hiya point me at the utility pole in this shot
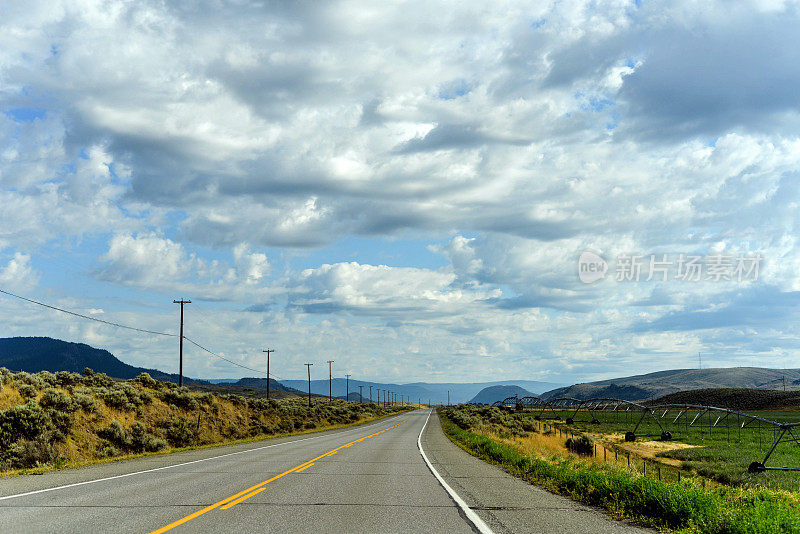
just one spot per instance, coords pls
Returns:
(330, 381)
(378, 391)
(360, 393)
(180, 357)
(268, 352)
(308, 366)
(448, 397)
(347, 387)
(370, 394)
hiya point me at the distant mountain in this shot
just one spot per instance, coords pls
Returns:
(498, 393)
(658, 384)
(34, 354)
(262, 383)
(423, 392)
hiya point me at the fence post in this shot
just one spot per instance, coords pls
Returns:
(604, 453)
(644, 467)
(659, 472)
(629, 460)
(679, 475)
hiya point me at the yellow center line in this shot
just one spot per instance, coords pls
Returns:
(249, 492)
(304, 468)
(244, 497)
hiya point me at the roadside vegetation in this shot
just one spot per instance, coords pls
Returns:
(567, 463)
(66, 419)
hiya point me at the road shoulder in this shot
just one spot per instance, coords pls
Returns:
(509, 504)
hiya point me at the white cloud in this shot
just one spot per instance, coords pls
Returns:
(514, 135)
(18, 274)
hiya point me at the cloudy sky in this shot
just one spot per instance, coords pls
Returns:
(404, 187)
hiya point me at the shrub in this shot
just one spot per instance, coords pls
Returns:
(107, 451)
(114, 398)
(57, 400)
(27, 391)
(147, 381)
(61, 423)
(180, 398)
(85, 402)
(142, 441)
(181, 432)
(65, 379)
(582, 444)
(27, 421)
(29, 453)
(116, 434)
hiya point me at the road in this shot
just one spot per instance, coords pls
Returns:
(370, 478)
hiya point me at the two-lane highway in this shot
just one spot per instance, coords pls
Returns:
(372, 478)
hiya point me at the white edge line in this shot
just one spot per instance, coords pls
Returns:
(476, 521)
(45, 490)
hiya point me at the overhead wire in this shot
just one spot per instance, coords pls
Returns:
(89, 317)
(127, 327)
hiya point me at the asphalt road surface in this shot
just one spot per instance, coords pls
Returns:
(371, 478)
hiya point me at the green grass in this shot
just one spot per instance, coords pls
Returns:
(682, 507)
(722, 453)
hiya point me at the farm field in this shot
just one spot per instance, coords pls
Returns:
(696, 482)
(712, 444)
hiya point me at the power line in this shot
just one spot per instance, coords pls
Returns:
(201, 347)
(76, 314)
(143, 330)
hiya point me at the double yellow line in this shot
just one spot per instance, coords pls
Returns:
(243, 495)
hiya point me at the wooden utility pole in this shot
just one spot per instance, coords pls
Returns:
(180, 357)
(308, 366)
(347, 387)
(268, 351)
(360, 393)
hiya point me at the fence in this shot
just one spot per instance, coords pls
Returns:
(665, 420)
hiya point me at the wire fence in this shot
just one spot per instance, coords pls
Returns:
(774, 434)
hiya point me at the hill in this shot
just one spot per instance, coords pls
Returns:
(740, 399)
(423, 392)
(34, 354)
(261, 383)
(497, 393)
(658, 384)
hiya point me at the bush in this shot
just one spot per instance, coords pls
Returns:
(142, 441)
(137, 439)
(181, 432)
(147, 381)
(57, 400)
(65, 379)
(180, 398)
(84, 401)
(61, 423)
(28, 421)
(581, 445)
(27, 391)
(114, 398)
(27, 453)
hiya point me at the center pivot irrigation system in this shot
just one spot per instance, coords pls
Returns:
(672, 416)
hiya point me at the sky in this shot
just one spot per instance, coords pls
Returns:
(409, 189)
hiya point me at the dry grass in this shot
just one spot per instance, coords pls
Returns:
(172, 418)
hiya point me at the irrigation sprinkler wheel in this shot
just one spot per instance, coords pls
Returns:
(570, 420)
(666, 435)
(630, 436)
(756, 467)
